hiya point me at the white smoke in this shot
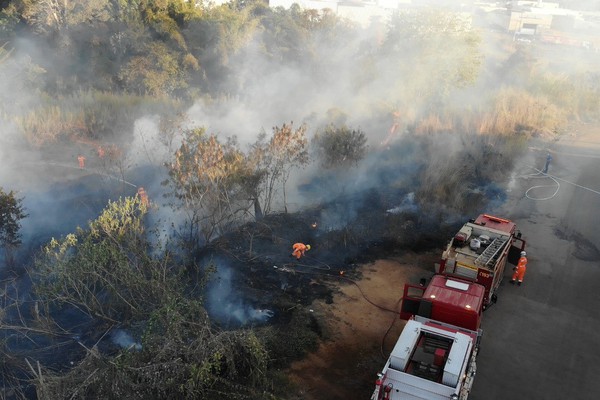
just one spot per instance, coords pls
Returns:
(407, 205)
(227, 306)
(123, 339)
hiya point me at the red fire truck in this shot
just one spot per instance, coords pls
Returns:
(435, 356)
(480, 250)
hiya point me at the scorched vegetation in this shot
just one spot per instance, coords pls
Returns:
(153, 261)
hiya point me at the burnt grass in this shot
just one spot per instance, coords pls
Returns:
(267, 276)
(260, 252)
(345, 232)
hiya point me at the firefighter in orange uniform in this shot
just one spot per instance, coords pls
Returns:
(520, 270)
(143, 195)
(300, 249)
(393, 129)
(81, 160)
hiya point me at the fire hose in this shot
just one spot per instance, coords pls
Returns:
(396, 314)
(541, 174)
(87, 169)
(326, 267)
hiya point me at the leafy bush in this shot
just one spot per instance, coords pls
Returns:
(340, 147)
(180, 358)
(300, 336)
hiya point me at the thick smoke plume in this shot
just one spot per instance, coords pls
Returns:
(387, 87)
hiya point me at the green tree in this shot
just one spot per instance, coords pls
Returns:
(213, 38)
(156, 72)
(341, 147)
(53, 16)
(106, 270)
(285, 39)
(9, 20)
(11, 214)
(338, 149)
(432, 53)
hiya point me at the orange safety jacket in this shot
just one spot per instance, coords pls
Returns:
(143, 196)
(299, 249)
(520, 270)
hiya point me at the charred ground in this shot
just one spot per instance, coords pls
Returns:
(259, 285)
(260, 252)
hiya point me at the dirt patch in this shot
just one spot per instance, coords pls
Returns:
(363, 329)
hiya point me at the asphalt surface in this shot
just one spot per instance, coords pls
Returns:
(542, 339)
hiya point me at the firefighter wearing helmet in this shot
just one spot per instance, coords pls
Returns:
(300, 249)
(520, 269)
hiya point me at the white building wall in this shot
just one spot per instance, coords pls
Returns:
(315, 4)
(356, 10)
(306, 4)
(363, 15)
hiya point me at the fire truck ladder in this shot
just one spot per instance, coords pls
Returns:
(491, 251)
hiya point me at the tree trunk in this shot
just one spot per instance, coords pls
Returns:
(285, 210)
(9, 256)
(258, 214)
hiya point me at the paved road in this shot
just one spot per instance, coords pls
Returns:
(542, 340)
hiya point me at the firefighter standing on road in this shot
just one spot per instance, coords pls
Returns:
(520, 270)
(81, 160)
(300, 249)
(548, 159)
